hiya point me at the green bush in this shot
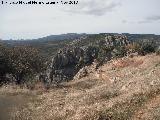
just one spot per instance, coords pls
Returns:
(90, 54)
(5, 66)
(102, 54)
(146, 48)
(158, 51)
(119, 51)
(22, 62)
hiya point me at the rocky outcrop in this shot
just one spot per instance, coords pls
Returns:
(69, 60)
(82, 73)
(116, 40)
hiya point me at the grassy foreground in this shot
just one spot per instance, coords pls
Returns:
(123, 89)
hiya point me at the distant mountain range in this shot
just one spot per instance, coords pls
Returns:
(68, 36)
(50, 44)
(72, 36)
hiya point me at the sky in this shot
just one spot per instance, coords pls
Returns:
(88, 16)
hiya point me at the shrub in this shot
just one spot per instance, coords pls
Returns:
(119, 51)
(90, 54)
(25, 61)
(146, 48)
(103, 55)
(134, 47)
(142, 48)
(158, 51)
(22, 62)
(4, 67)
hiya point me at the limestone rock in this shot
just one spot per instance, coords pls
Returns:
(69, 60)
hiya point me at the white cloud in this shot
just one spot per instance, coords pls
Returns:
(93, 7)
(153, 18)
(90, 16)
(146, 20)
(150, 19)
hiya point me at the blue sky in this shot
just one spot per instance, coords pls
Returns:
(88, 16)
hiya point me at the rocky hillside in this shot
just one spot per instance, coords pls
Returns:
(95, 77)
(126, 88)
(69, 60)
(69, 56)
(49, 45)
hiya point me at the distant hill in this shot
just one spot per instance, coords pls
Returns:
(72, 36)
(49, 45)
(144, 37)
(68, 36)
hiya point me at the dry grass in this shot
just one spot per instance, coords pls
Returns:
(125, 62)
(132, 93)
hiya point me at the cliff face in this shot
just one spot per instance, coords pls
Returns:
(69, 60)
(116, 40)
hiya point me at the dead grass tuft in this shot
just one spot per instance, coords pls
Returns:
(121, 63)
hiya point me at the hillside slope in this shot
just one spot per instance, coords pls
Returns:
(126, 88)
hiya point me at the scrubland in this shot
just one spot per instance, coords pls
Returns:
(126, 88)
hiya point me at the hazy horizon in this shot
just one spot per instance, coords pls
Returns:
(72, 33)
(88, 16)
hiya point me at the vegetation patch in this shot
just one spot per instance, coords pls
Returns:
(126, 110)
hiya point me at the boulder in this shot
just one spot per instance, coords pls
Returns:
(82, 73)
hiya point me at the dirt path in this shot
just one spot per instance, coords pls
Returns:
(10, 102)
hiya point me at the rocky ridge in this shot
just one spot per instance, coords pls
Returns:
(69, 60)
